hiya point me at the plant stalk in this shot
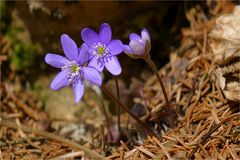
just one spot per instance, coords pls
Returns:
(122, 106)
(154, 69)
(118, 109)
(168, 107)
(105, 113)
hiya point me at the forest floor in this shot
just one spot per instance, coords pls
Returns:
(206, 120)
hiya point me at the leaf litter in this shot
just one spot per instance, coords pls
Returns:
(206, 107)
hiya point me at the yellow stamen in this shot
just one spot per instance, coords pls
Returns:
(101, 50)
(74, 68)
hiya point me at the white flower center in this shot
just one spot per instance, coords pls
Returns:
(73, 70)
(100, 50)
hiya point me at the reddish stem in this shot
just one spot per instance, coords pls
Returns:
(122, 106)
(118, 109)
(168, 107)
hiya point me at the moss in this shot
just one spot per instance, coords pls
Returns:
(21, 54)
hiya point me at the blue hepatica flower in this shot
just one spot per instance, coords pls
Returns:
(139, 47)
(103, 50)
(73, 69)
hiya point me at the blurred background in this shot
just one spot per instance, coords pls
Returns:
(34, 28)
(30, 29)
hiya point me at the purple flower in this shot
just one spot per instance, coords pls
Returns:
(103, 50)
(138, 47)
(73, 69)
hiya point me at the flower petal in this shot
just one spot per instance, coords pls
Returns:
(96, 63)
(135, 37)
(115, 47)
(60, 81)
(113, 66)
(137, 47)
(56, 60)
(69, 47)
(78, 89)
(145, 35)
(83, 54)
(127, 49)
(89, 36)
(105, 33)
(92, 75)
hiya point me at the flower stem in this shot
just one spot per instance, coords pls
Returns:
(118, 109)
(122, 106)
(154, 69)
(105, 113)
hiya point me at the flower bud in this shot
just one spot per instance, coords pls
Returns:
(139, 47)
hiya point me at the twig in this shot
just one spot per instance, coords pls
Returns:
(204, 139)
(25, 128)
(68, 155)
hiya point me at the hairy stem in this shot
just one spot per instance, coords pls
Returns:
(105, 113)
(122, 106)
(118, 109)
(154, 69)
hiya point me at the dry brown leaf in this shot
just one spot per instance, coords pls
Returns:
(226, 48)
(226, 37)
